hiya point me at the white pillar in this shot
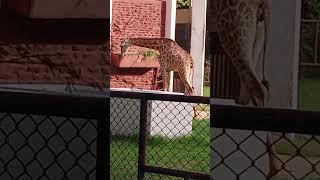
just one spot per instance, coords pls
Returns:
(170, 31)
(110, 16)
(296, 50)
(295, 72)
(198, 37)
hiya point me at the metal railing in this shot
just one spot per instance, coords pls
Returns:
(152, 135)
(313, 30)
(159, 135)
(53, 136)
(298, 157)
(145, 150)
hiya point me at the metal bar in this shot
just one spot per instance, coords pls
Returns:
(266, 119)
(176, 173)
(316, 38)
(310, 20)
(310, 64)
(142, 138)
(160, 97)
(53, 104)
(103, 141)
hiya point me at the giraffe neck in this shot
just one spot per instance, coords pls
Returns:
(152, 43)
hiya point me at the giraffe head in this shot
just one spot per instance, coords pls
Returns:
(124, 46)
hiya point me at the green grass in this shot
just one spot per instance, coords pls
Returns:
(309, 94)
(189, 153)
(206, 91)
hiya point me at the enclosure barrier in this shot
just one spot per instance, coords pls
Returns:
(65, 137)
(53, 136)
(159, 135)
(148, 155)
(299, 157)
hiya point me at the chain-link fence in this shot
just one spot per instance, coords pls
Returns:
(52, 137)
(158, 136)
(239, 144)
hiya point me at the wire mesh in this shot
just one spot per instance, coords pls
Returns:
(242, 154)
(177, 137)
(47, 147)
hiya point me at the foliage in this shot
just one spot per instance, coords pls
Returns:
(311, 9)
(183, 4)
(151, 53)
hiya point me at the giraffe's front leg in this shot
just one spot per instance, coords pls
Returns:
(166, 80)
(185, 78)
(244, 97)
(258, 43)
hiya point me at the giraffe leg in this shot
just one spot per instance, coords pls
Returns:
(185, 78)
(166, 80)
(258, 43)
(238, 43)
(244, 97)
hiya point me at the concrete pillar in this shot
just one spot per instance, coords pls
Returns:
(198, 37)
(110, 21)
(171, 7)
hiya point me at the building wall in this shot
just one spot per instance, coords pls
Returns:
(139, 18)
(53, 52)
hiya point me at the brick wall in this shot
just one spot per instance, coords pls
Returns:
(53, 52)
(127, 78)
(138, 18)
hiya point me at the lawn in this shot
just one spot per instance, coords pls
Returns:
(309, 94)
(206, 91)
(190, 153)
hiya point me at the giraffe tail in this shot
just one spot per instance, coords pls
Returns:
(191, 77)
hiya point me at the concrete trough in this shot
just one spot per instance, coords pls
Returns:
(165, 118)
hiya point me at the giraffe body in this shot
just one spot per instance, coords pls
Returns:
(172, 58)
(242, 26)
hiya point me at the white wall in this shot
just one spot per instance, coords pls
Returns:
(282, 63)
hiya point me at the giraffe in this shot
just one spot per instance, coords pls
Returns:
(242, 27)
(172, 58)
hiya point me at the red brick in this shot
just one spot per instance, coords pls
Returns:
(148, 17)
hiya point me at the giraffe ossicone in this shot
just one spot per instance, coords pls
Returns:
(172, 57)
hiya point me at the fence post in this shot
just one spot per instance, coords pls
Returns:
(142, 138)
(103, 140)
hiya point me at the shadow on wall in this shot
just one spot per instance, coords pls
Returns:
(50, 51)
